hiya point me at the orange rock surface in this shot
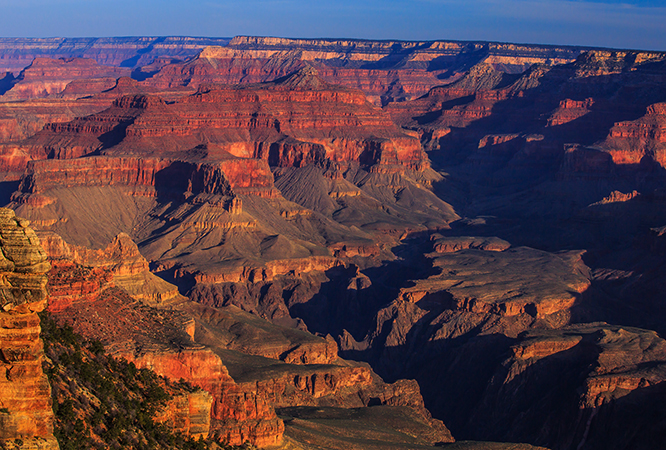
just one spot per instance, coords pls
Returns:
(238, 416)
(297, 200)
(628, 142)
(241, 408)
(386, 71)
(442, 244)
(188, 414)
(25, 395)
(570, 110)
(293, 122)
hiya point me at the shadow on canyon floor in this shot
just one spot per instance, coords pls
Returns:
(337, 306)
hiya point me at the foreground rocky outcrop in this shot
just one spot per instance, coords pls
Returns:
(100, 401)
(472, 238)
(26, 417)
(247, 365)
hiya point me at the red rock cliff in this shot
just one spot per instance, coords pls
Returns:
(46, 76)
(386, 71)
(293, 122)
(628, 142)
(25, 394)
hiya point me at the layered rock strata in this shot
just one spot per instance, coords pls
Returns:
(247, 365)
(281, 244)
(604, 375)
(631, 141)
(487, 281)
(299, 120)
(25, 395)
(211, 154)
(44, 77)
(119, 264)
(20, 120)
(386, 71)
(566, 96)
(17, 53)
(86, 296)
(476, 304)
(188, 414)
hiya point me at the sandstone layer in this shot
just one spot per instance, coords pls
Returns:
(44, 77)
(386, 71)
(365, 169)
(471, 234)
(25, 395)
(247, 365)
(17, 53)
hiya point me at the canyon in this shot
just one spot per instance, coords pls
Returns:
(341, 243)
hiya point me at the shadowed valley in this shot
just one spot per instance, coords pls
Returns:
(342, 243)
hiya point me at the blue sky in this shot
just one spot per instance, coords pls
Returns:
(636, 24)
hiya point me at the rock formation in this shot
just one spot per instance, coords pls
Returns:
(603, 373)
(310, 130)
(247, 365)
(26, 417)
(483, 218)
(20, 120)
(629, 142)
(295, 121)
(386, 71)
(46, 77)
(18, 53)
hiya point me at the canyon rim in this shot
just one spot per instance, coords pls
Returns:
(331, 244)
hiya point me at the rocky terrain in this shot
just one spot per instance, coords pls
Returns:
(130, 52)
(349, 244)
(385, 71)
(25, 394)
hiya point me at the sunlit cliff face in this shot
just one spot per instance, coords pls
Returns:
(25, 394)
(477, 222)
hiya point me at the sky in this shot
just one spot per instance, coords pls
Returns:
(627, 24)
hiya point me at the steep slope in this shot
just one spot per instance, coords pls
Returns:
(18, 53)
(386, 71)
(175, 177)
(103, 402)
(26, 417)
(44, 77)
(248, 365)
